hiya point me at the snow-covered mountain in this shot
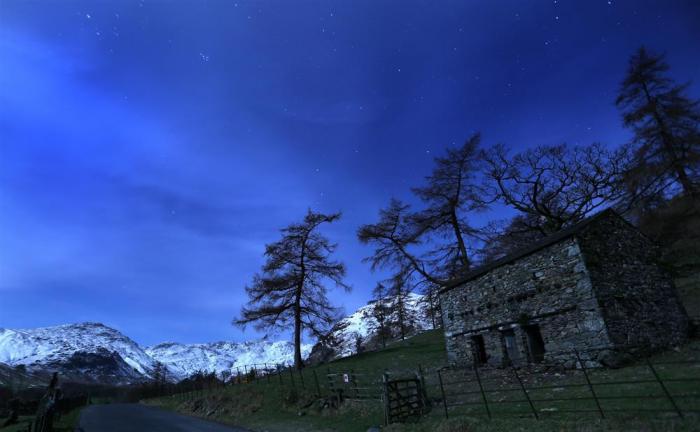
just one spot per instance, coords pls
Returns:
(185, 359)
(93, 352)
(84, 352)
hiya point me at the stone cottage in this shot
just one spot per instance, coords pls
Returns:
(595, 288)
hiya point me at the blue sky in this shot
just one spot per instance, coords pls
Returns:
(149, 150)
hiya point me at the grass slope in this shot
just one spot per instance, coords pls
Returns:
(273, 406)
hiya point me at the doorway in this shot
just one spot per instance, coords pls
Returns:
(479, 349)
(535, 343)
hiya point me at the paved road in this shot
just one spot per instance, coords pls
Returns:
(142, 418)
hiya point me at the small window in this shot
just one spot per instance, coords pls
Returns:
(535, 343)
(479, 349)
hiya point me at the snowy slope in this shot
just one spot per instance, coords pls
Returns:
(185, 359)
(361, 322)
(89, 350)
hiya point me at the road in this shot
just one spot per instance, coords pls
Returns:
(142, 418)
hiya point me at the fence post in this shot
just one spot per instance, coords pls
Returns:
(590, 385)
(424, 390)
(663, 387)
(279, 373)
(385, 394)
(318, 386)
(442, 391)
(527, 396)
(483, 394)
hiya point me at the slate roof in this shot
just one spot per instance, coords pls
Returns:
(520, 253)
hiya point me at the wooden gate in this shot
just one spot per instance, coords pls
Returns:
(404, 399)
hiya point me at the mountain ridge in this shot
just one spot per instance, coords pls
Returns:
(94, 352)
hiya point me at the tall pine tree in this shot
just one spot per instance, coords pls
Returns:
(290, 290)
(665, 122)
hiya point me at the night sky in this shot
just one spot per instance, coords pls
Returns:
(149, 150)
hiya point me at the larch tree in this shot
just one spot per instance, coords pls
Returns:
(431, 304)
(433, 243)
(290, 289)
(378, 316)
(401, 316)
(666, 126)
(450, 193)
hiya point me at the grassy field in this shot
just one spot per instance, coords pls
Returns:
(271, 405)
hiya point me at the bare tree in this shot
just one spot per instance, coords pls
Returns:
(555, 186)
(290, 290)
(504, 237)
(666, 126)
(431, 244)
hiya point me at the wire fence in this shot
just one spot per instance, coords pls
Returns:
(659, 387)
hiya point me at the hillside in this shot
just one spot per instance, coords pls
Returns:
(279, 404)
(360, 329)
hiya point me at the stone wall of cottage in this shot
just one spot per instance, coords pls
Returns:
(640, 305)
(550, 288)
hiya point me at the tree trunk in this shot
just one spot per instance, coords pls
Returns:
(298, 362)
(402, 316)
(460, 240)
(432, 308)
(381, 329)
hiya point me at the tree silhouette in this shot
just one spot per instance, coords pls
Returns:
(380, 312)
(439, 231)
(554, 186)
(665, 123)
(289, 290)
